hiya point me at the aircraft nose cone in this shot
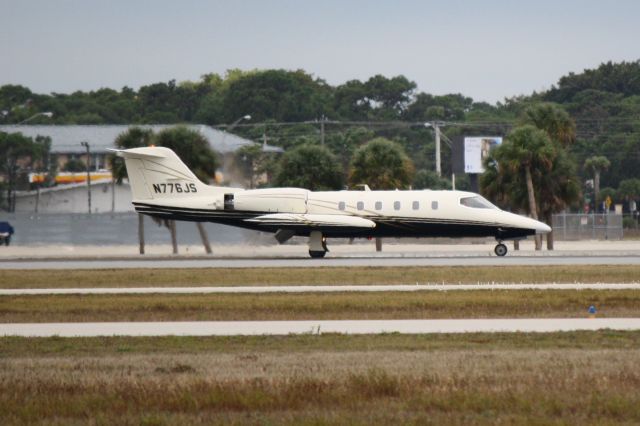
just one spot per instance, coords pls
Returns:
(542, 228)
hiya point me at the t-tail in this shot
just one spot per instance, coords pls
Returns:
(157, 173)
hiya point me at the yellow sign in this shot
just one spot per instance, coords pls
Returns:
(608, 201)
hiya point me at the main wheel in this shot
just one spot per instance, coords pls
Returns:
(317, 254)
(500, 250)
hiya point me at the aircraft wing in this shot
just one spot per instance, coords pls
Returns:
(285, 220)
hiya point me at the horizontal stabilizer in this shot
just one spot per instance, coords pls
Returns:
(144, 152)
(323, 220)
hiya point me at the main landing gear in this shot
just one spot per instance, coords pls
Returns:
(500, 249)
(317, 245)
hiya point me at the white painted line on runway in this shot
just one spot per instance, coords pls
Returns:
(317, 288)
(234, 328)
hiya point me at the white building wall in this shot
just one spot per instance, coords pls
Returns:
(73, 199)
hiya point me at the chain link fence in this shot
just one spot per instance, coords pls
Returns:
(588, 226)
(112, 229)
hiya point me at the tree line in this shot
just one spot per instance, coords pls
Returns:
(604, 103)
(590, 123)
(18, 154)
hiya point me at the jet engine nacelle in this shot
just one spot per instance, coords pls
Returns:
(290, 200)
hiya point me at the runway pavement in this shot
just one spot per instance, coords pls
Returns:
(391, 261)
(234, 328)
(408, 253)
(317, 288)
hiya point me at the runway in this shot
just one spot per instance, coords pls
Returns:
(246, 328)
(295, 262)
(316, 289)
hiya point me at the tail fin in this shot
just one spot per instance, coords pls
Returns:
(157, 173)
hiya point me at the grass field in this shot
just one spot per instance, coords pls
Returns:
(560, 378)
(96, 347)
(327, 276)
(511, 378)
(287, 306)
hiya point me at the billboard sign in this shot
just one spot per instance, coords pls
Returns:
(476, 149)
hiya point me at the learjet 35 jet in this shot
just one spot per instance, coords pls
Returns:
(164, 187)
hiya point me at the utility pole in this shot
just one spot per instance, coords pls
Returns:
(86, 145)
(436, 127)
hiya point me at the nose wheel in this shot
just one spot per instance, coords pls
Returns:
(500, 250)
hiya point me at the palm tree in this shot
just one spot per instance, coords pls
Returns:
(526, 155)
(554, 120)
(194, 149)
(134, 137)
(559, 188)
(308, 166)
(497, 185)
(594, 166)
(381, 164)
(191, 147)
(504, 189)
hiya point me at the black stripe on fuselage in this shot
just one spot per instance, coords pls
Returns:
(386, 226)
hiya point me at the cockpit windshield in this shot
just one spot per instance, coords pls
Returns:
(476, 202)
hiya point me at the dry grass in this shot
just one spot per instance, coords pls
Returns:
(472, 384)
(281, 306)
(514, 378)
(309, 276)
(95, 347)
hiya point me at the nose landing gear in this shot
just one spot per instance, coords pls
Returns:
(500, 249)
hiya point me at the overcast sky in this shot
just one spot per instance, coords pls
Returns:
(489, 49)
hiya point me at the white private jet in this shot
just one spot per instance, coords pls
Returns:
(164, 187)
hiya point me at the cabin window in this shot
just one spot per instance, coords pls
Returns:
(476, 202)
(378, 205)
(416, 205)
(434, 205)
(360, 205)
(341, 205)
(396, 205)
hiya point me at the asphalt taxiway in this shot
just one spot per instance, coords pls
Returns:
(390, 261)
(341, 255)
